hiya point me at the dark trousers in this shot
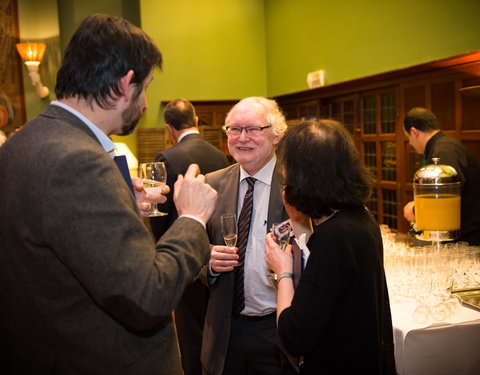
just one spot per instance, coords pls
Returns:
(189, 319)
(253, 349)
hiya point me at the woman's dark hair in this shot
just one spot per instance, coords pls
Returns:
(323, 169)
(102, 50)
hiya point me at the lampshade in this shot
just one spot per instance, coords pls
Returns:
(31, 52)
(32, 55)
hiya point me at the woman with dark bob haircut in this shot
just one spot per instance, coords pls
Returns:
(337, 320)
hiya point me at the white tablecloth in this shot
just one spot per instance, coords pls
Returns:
(451, 347)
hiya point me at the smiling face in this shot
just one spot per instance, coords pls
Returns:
(251, 152)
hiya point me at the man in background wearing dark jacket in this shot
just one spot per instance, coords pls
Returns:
(189, 147)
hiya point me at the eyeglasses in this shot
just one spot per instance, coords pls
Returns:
(250, 130)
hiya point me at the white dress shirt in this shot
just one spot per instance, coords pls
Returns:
(260, 291)
(183, 135)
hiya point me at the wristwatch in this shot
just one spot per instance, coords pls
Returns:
(288, 275)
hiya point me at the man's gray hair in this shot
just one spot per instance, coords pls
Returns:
(274, 115)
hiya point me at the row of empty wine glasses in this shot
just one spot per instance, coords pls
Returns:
(426, 275)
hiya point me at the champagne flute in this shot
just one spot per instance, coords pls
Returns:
(154, 177)
(229, 229)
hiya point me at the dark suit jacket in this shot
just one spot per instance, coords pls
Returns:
(216, 331)
(454, 153)
(83, 288)
(191, 149)
(191, 309)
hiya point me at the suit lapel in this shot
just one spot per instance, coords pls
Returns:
(230, 189)
(276, 211)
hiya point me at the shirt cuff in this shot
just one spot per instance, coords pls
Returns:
(196, 219)
(211, 272)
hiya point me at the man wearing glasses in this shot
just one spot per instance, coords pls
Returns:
(240, 332)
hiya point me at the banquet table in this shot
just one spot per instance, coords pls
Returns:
(450, 347)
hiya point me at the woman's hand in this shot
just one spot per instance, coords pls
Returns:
(277, 260)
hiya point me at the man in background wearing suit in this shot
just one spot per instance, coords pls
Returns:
(189, 147)
(83, 288)
(239, 334)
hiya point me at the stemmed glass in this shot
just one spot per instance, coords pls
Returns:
(422, 284)
(229, 229)
(154, 177)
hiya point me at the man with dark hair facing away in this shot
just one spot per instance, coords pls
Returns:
(189, 147)
(424, 134)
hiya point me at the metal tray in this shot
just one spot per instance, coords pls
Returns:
(469, 297)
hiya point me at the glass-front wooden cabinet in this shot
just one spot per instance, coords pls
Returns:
(373, 108)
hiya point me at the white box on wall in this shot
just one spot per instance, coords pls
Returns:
(316, 79)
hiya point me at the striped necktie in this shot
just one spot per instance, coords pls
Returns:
(243, 230)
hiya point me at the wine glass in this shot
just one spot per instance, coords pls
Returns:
(422, 284)
(229, 229)
(154, 177)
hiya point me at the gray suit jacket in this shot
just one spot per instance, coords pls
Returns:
(216, 331)
(83, 288)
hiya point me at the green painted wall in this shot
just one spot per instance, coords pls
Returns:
(356, 38)
(213, 49)
(229, 49)
(38, 22)
(72, 12)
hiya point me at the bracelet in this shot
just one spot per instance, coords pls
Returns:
(288, 275)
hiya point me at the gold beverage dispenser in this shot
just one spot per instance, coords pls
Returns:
(437, 203)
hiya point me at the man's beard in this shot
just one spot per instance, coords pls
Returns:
(130, 118)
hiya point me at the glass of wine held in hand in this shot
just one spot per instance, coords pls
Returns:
(154, 177)
(229, 229)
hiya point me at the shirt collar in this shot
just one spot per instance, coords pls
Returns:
(188, 132)
(429, 145)
(264, 175)
(104, 140)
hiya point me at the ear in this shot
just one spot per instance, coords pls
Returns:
(277, 139)
(173, 132)
(196, 120)
(414, 132)
(125, 84)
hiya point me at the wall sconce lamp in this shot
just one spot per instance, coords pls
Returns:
(32, 55)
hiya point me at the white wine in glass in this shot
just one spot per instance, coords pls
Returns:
(154, 177)
(229, 229)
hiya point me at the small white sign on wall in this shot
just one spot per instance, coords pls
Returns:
(316, 79)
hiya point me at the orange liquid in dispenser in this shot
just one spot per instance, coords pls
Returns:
(436, 212)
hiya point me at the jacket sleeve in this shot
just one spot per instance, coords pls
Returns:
(108, 250)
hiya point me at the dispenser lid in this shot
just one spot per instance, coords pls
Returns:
(436, 174)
